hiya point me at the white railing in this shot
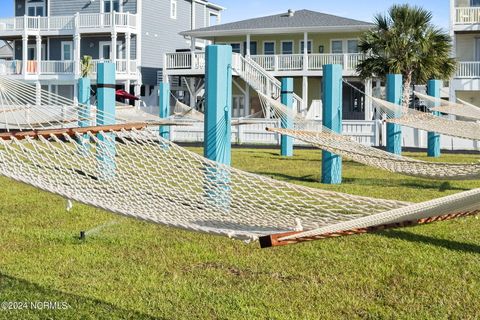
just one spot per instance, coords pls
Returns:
(467, 15)
(120, 66)
(268, 62)
(57, 67)
(289, 62)
(81, 21)
(10, 67)
(183, 60)
(295, 62)
(260, 79)
(468, 69)
(317, 61)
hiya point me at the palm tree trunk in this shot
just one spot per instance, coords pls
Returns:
(406, 90)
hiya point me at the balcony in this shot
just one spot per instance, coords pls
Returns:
(467, 19)
(69, 25)
(468, 70)
(277, 65)
(47, 69)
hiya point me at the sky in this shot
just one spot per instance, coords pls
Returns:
(355, 9)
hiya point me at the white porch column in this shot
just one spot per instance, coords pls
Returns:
(76, 54)
(39, 53)
(368, 100)
(247, 52)
(127, 88)
(192, 51)
(247, 100)
(24, 53)
(128, 38)
(113, 53)
(305, 51)
(305, 92)
(38, 93)
(193, 92)
(137, 90)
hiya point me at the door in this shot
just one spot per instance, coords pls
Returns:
(105, 50)
(477, 49)
(35, 9)
(67, 50)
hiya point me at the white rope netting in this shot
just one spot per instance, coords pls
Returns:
(463, 109)
(315, 134)
(136, 173)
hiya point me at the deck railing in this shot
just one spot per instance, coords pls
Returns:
(58, 67)
(286, 62)
(183, 60)
(65, 23)
(467, 15)
(468, 69)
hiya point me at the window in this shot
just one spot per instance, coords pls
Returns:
(474, 3)
(269, 48)
(35, 8)
(236, 48)
(253, 48)
(173, 9)
(214, 19)
(337, 46)
(352, 46)
(67, 53)
(111, 5)
(287, 47)
(309, 48)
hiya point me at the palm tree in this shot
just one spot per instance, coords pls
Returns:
(86, 66)
(406, 42)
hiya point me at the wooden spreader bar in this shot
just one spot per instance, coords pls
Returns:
(46, 133)
(273, 240)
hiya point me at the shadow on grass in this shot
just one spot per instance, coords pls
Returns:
(444, 243)
(15, 289)
(418, 184)
(307, 178)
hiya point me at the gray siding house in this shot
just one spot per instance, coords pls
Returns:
(49, 37)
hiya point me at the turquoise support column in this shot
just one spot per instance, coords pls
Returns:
(164, 96)
(394, 131)
(218, 100)
(84, 87)
(433, 89)
(332, 119)
(106, 116)
(218, 124)
(286, 142)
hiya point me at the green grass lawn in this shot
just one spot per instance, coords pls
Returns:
(137, 270)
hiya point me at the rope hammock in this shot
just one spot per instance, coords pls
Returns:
(463, 110)
(429, 122)
(315, 134)
(128, 169)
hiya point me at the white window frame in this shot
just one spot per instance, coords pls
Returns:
(239, 43)
(102, 5)
(43, 53)
(344, 44)
(62, 50)
(29, 5)
(286, 41)
(300, 45)
(335, 40)
(274, 46)
(173, 4)
(101, 44)
(215, 14)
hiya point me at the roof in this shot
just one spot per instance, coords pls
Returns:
(5, 51)
(303, 20)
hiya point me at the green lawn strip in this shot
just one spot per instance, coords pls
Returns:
(137, 270)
